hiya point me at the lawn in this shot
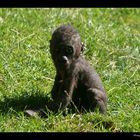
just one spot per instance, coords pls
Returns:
(112, 39)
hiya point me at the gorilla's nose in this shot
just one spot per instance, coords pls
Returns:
(64, 59)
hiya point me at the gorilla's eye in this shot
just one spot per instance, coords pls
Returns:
(69, 50)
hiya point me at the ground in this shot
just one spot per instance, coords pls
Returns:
(112, 39)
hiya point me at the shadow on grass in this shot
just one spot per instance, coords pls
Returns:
(37, 101)
(25, 101)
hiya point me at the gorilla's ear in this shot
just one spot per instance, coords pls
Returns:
(82, 47)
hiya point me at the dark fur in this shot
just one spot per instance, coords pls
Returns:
(76, 82)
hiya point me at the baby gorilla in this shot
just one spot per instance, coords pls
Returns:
(76, 82)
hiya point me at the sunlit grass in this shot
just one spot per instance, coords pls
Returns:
(27, 73)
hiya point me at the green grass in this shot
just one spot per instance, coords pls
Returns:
(112, 38)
